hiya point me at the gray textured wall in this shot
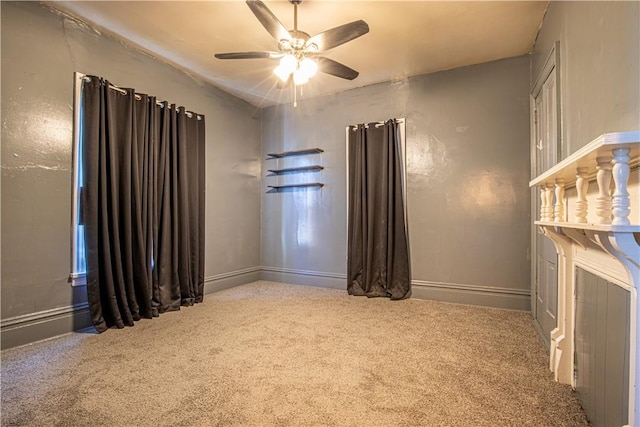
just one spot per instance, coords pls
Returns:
(40, 52)
(599, 67)
(468, 171)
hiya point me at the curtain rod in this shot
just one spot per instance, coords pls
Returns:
(377, 124)
(138, 97)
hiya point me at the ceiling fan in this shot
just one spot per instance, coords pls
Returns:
(299, 53)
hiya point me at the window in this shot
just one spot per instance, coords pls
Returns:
(194, 131)
(78, 263)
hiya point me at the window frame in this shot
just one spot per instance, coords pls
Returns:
(76, 277)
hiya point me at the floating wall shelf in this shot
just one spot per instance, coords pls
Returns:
(308, 184)
(297, 169)
(295, 153)
(307, 168)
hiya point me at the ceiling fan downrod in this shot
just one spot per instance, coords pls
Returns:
(295, 15)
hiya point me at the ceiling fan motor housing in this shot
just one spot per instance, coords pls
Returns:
(297, 43)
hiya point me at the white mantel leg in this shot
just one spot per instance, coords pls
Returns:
(562, 339)
(621, 200)
(603, 202)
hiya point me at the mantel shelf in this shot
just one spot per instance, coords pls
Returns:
(297, 169)
(587, 155)
(594, 227)
(307, 184)
(295, 153)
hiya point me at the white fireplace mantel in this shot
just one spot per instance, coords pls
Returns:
(601, 234)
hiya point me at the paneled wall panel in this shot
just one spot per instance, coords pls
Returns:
(602, 349)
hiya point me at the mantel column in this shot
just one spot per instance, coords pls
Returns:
(548, 194)
(558, 208)
(621, 200)
(582, 184)
(603, 202)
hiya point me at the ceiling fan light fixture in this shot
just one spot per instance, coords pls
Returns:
(297, 50)
(299, 77)
(288, 65)
(281, 73)
(309, 67)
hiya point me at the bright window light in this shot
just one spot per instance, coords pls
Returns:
(78, 261)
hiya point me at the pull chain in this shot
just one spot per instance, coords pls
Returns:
(295, 97)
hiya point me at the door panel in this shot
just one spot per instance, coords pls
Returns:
(545, 138)
(546, 287)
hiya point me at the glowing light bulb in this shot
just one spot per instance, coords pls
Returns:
(308, 67)
(288, 64)
(281, 73)
(299, 78)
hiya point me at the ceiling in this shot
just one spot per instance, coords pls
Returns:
(406, 38)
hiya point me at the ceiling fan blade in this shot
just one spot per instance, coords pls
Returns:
(269, 20)
(248, 55)
(337, 69)
(336, 36)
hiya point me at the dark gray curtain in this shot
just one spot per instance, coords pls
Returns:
(142, 205)
(378, 250)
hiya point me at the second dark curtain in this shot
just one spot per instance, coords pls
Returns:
(142, 205)
(378, 262)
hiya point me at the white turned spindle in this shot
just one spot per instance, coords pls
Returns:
(582, 184)
(548, 193)
(621, 202)
(603, 202)
(558, 208)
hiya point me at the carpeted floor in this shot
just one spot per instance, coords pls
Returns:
(273, 354)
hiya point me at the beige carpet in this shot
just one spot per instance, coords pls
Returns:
(273, 354)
